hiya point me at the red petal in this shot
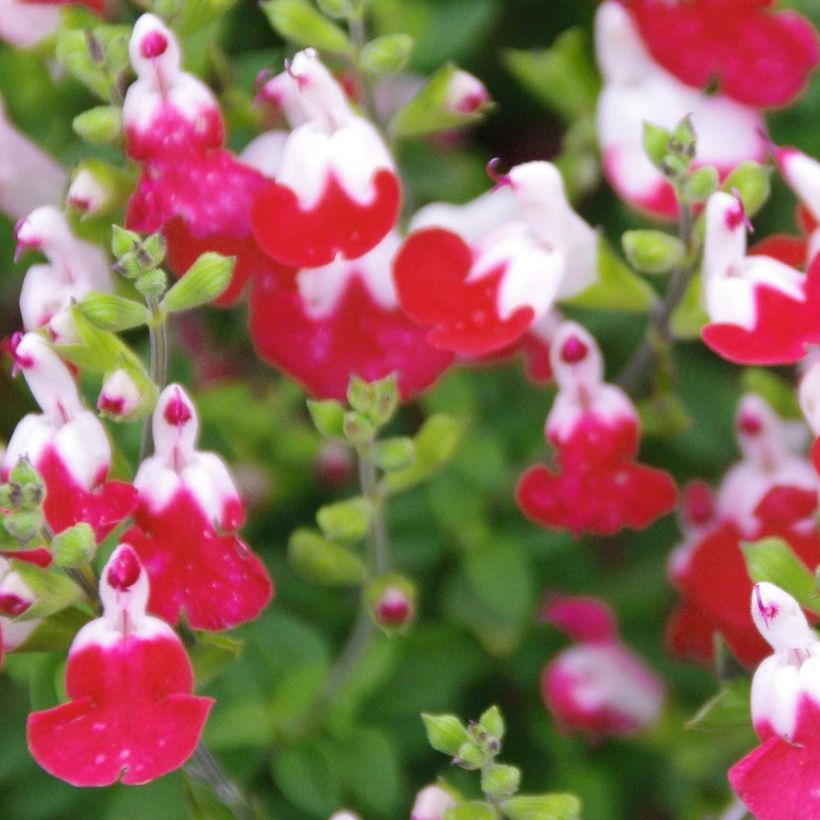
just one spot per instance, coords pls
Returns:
(583, 619)
(430, 272)
(131, 711)
(790, 250)
(690, 633)
(786, 505)
(784, 327)
(761, 58)
(358, 338)
(336, 224)
(215, 579)
(67, 503)
(39, 556)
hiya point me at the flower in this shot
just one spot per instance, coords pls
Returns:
(599, 686)
(636, 90)
(191, 188)
(761, 311)
(778, 780)
(67, 445)
(482, 291)
(186, 521)
(24, 23)
(120, 395)
(759, 56)
(15, 598)
(594, 427)
(131, 714)
(432, 803)
(336, 190)
(74, 268)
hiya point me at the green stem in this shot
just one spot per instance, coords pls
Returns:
(158, 331)
(205, 768)
(658, 337)
(358, 34)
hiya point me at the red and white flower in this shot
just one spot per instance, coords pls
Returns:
(186, 521)
(24, 23)
(336, 191)
(482, 290)
(761, 311)
(67, 445)
(15, 598)
(431, 803)
(598, 486)
(759, 56)
(636, 90)
(131, 715)
(74, 268)
(599, 686)
(191, 188)
(778, 780)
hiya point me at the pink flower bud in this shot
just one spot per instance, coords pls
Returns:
(120, 395)
(86, 192)
(431, 803)
(394, 608)
(466, 94)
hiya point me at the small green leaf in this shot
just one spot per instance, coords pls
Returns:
(387, 54)
(652, 251)
(99, 126)
(53, 590)
(656, 143)
(701, 184)
(727, 710)
(107, 311)
(542, 807)
(360, 395)
(339, 9)
(328, 417)
(617, 287)
(309, 775)
(470, 811)
(393, 454)
(323, 562)
(753, 182)
(493, 722)
(358, 428)
(203, 282)
(123, 241)
(56, 632)
(95, 56)
(300, 22)
(196, 14)
(345, 521)
(445, 733)
(211, 653)
(689, 316)
(773, 560)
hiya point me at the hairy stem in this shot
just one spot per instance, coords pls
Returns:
(158, 331)
(205, 768)
(358, 35)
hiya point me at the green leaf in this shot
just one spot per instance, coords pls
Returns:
(300, 22)
(387, 54)
(727, 710)
(779, 394)
(542, 807)
(663, 414)
(340, 9)
(445, 733)
(328, 417)
(689, 316)
(203, 282)
(75, 546)
(431, 110)
(211, 653)
(309, 775)
(656, 143)
(563, 77)
(652, 251)
(493, 722)
(617, 287)
(94, 56)
(323, 562)
(196, 14)
(435, 443)
(470, 811)
(753, 182)
(56, 632)
(393, 454)
(773, 560)
(372, 771)
(107, 311)
(53, 590)
(701, 184)
(99, 126)
(345, 521)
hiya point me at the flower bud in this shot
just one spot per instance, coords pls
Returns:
(323, 562)
(99, 126)
(432, 803)
(445, 733)
(87, 192)
(203, 282)
(23, 524)
(120, 395)
(75, 546)
(334, 465)
(499, 781)
(466, 94)
(652, 251)
(392, 602)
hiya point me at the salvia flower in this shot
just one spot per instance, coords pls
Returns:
(802, 173)
(67, 445)
(131, 715)
(432, 803)
(191, 188)
(120, 395)
(24, 23)
(336, 190)
(186, 521)
(598, 686)
(759, 56)
(483, 291)
(594, 427)
(637, 90)
(15, 598)
(73, 268)
(778, 780)
(761, 311)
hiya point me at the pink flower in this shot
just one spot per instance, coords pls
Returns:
(778, 780)
(594, 427)
(761, 311)
(637, 89)
(15, 598)
(432, 803)
(191, 188)
(131, 712)
(67, 445)
(482, 290)
(599, 686)
(24, 23)
(186, 522)
(120, 395)
(759, 56)
(74, 268)
(336, 190)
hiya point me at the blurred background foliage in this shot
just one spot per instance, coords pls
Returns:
(479, 565)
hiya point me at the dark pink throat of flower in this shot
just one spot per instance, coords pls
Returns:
(177, 411)
(111, 404)
(750, 424)
(13, 605)
(153, 44)
(737, 216)
(699, 507)
(301, 79)
(767, 611)
(574, 350)
(125, 571)
(11, 345)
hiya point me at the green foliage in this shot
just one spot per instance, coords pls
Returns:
(75, 546)
(387, 54)
(773, 560)
(543, 807)
(299, 21)
(52, 589)
(203, 282)
(107, 311)
(322, 561)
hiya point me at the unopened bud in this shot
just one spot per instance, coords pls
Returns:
(203, 282)
(120, 396)
(432, 803)
(87, 193)
(445, 733)
(471, 755)
(655, 142)
(99, 126)
(152, 282)
(334, 464)
(75, 546)
(652, 251)
(23, 525)
(500, 781)
(392, 602)
(466, 94)
(123, 242)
